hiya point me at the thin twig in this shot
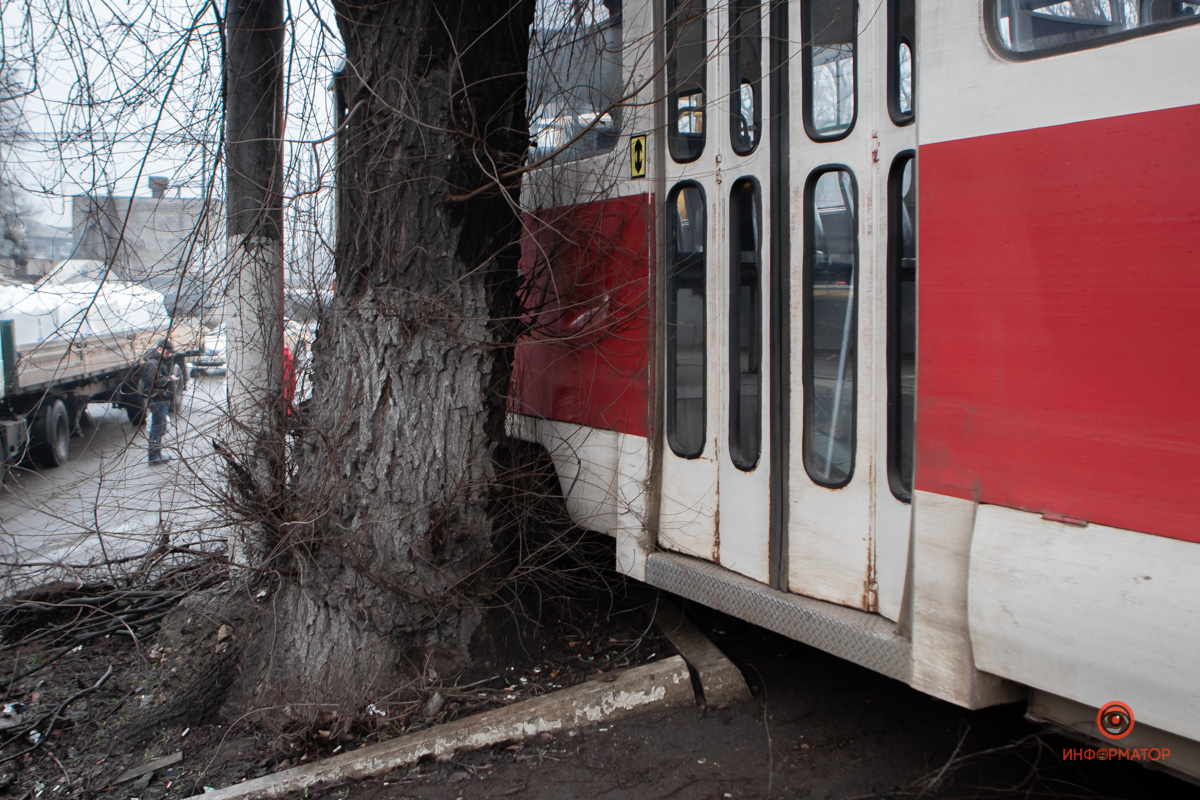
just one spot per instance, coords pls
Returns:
(53, 718)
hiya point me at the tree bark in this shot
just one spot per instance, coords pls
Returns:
(383, 558)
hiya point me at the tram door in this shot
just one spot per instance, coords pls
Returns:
(786, 380)
(852, 279)
(716, 455)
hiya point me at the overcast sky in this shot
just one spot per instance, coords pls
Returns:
(126, 89)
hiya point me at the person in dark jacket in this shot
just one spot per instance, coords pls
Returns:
(158, 385)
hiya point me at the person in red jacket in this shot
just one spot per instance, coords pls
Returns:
(289, 379)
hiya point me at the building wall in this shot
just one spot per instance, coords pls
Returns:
(167, 243)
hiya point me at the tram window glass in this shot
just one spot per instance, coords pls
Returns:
(685, 321)
(902, 323)
(745, 325)
(1027, 26)
(745, 74)
(901, 41)
(830, 327)
(575, 78)
(830, 36)
(686, 85)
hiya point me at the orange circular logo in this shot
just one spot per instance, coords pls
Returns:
(1115, 720)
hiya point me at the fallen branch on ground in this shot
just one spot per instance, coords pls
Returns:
(69, 615)
(49, 720)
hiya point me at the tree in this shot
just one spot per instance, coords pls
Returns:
(379, 554)
(372, 543)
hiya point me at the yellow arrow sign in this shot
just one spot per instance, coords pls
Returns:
(637, 156)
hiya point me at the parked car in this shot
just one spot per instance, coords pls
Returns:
(212, 356)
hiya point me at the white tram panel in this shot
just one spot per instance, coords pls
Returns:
(1050, 621)
(966, 89)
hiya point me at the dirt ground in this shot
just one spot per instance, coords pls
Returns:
(817, 727)
(71, 721)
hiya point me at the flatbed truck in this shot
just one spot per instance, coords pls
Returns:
(64, 348)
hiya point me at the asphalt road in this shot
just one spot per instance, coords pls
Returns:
(107, 502)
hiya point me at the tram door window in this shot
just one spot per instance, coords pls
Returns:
(901, 45)
(830, 43)
(745, 326)
(902, 319)
(685, 321)
(686, 84)
(745, 74)
(575, 78)
(831, 332)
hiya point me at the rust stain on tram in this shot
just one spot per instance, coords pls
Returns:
(716, 548)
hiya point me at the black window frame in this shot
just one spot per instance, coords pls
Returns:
(897, 37)
(807, 360)
(807, 72)
(738, 452)
(895, 253)
(991, 21)
(670, 320)
(676, 141)
(736, 37)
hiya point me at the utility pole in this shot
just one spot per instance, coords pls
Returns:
(254, 34)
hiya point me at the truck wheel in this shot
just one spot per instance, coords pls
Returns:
(51, 435)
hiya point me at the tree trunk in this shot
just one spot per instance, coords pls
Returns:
(383, 558)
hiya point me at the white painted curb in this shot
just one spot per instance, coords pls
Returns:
(662, 684)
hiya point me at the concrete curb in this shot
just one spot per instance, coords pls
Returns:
(663, 684)
(720, 679)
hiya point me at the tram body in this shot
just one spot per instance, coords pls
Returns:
(982, 481)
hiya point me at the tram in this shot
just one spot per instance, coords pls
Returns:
(868, 322)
